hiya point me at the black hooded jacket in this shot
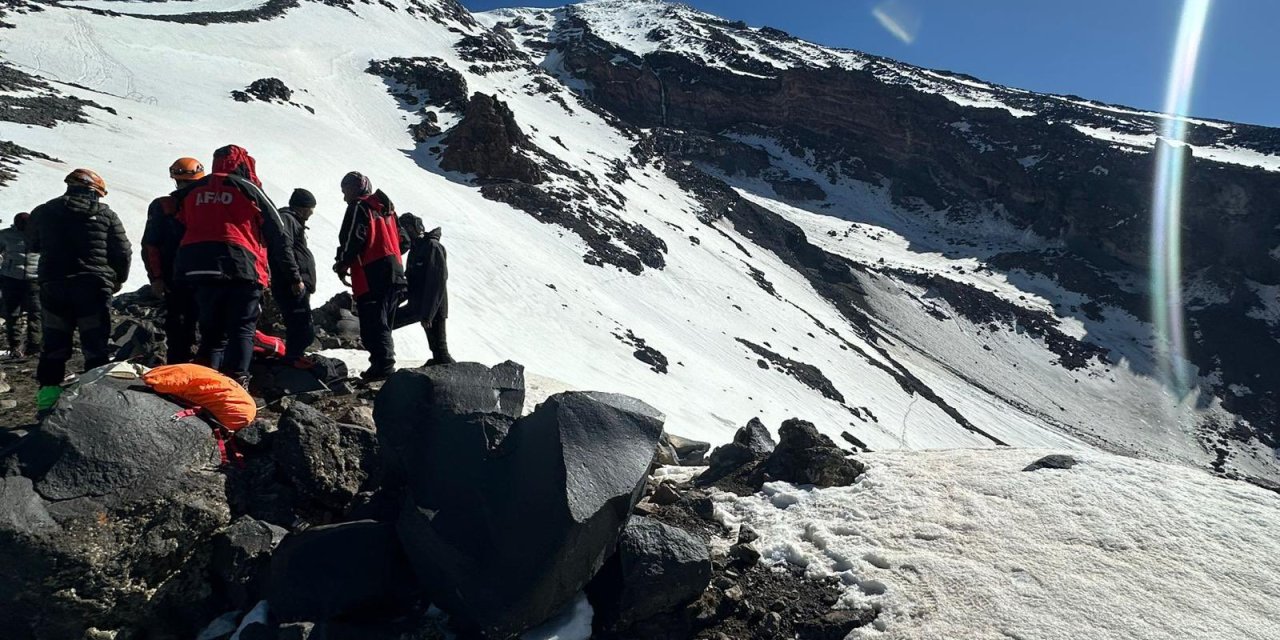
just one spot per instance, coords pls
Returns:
(79, 238)
(296, 229)
(428, 275)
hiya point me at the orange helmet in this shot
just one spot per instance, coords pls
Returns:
(87, 178)
(186, 169)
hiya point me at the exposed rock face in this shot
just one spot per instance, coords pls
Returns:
(488, 143)
(326, 461)
(344, 569)
(541, 509)
(266, 90)
(657, 569)
(1053, 461)
(423, 81)
(750, 445)
(804, 456)
(110, 525)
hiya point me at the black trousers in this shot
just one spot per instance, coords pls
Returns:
(72, 305)
(438, 339)
(21, 301)
(377, 311)
(181, 314)
(299, 328)
(228, 317)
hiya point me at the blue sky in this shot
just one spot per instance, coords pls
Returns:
(1112, 50)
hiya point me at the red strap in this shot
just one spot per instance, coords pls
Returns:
(226, 444)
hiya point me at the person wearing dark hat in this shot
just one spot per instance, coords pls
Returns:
(369, 250)
(296, 307)
(19, 291)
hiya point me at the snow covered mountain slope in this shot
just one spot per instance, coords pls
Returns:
(965, 544)
(719, 261)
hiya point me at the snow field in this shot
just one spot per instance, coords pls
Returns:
(963, 544)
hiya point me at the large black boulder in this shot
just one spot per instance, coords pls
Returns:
(110, 526)
(804, 456)
(750, 445)
(546, 509)
(436, 425)
(354, 569)
(657, 570)
(326, 461)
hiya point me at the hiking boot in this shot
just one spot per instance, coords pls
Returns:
(443, 359)
(374, 375)
(46, 399)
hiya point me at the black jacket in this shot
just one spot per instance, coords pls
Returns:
(79, 238)
(428, 275)
(302, 256)
(160, 239)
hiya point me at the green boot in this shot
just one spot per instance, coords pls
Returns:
(47, 396)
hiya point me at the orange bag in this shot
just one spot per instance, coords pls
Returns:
(203, 387)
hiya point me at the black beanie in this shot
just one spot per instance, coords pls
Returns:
(302, 198)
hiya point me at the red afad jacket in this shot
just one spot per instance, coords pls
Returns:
(369, 244)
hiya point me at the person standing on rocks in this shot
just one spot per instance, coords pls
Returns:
(19, 290)
(160, 240)
(231, 233)
(369, 250)
(295, 308)
(84, 259)
(428, 276)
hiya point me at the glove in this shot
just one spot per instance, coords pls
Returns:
(342, 270)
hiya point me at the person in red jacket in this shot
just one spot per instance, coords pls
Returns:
(160, 240)
(369, 249)
(231, 233)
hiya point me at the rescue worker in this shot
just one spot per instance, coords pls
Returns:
(369, 250)
(428, 275)
(84, 259)
(231, 232)
(160, 241)
(296, 308)
(19, 290)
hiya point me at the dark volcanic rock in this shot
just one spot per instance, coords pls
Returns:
(489, 143)
(806, 374)
(1052, 461)
(326, 461)
(798, 189)
(546, 511)
(751, 444)
(423, 81)
(337, 326)
(241, 558)
(266, 90)
(138, 341)
(804, 456)
(657, 569)
(437, 424)
(110, 528)
(356, 568)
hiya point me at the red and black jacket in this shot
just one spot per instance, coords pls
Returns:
(369, 245)
(230, 231)
(160, 239)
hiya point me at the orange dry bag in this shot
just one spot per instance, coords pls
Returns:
(207, 389)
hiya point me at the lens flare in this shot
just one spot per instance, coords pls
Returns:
(1166, 201)
(899, 19)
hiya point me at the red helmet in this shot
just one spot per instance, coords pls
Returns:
(186, 169)
(87, 178)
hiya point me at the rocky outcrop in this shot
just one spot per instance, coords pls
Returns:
(532, 512)
(422, 82)
(490, 144)
(804, 456)
(327, 461)
(657, 570)
(110, 524)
